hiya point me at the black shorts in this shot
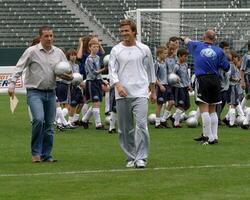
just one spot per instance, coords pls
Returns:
(93, 90)
(182, 98)
(76, 96)
(62, 92)
(207, 89)
(162, 97)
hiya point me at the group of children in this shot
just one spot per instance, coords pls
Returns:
(74, 100)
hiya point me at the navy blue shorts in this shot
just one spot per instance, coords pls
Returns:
(182, 98)
(76, 96)
(93, 90)
(170, 93)
(161, 96)
(62, 92)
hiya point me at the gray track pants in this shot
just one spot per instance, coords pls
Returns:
(134, 139)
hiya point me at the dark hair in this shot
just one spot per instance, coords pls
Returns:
(173, 39)
(130, 23)
(70, 52)
(44, 28)
(234, 54)
(160, 50)
(35, 40)
(223, 44)
(182, 52)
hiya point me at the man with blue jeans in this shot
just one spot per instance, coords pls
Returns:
(39, 62)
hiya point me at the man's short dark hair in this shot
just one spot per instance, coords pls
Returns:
(44, 28)
(130, 23)
(173, 39)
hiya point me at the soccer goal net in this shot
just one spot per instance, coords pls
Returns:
(156, 26)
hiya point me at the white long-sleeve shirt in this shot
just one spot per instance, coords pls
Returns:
(133, 68)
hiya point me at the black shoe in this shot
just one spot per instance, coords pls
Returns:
(245, 126)
(85, 125)
(226, 121)
(159, 126)
(220, 122)
(165, 124)
(201, 138)
(172, 120)
(112, 131)
(215, 141)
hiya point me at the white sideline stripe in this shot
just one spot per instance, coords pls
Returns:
(127, 170)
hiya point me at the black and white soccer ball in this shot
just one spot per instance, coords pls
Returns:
(151, 118)
(62, 67)
(106, 60)
(173, 79)
(192, 122)
(77, 79)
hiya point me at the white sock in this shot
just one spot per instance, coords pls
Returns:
(177, 117)
(85, 109)
(206, 125)
(96, 113)
(214, 124)
(88, 114)
(243, 103)
(60, 116)
(112, 121)
(166, 115)
(239, 110)
(232, 116)
(75, 117)
(107, 102)
(157, 121)
(65, 111)
(198, 114)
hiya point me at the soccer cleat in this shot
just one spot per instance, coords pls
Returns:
(112, 131)
(177, 126)
(172, 120)
(85, 125)
(201, 138)
(140, 164)
(245, 126)
(130, 164)
(165, 124)
(232, 126)
(101, 127)
(226, 121)
(159, 126)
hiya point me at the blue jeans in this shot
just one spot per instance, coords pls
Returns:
(43, 109)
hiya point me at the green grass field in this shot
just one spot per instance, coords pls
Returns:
(92, 166)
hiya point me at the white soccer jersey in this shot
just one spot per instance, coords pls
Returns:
(133, 68)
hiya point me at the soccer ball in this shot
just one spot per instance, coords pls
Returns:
(106, 60)
(239, 120)
(77, 79)
(192, 122)
(107, 119)
(173, 79)
(151, 118)
(192, 113)
(62, 67)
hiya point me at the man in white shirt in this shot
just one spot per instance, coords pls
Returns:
(132, 72)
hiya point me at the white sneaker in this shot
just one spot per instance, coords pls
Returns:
(140, 164)
(130, 164)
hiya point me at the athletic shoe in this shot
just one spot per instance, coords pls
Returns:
(112, 131)
(245, 126)
(165, 124)
(85, 125)
(101, 127)
(140, 164)
(50, 160)
(172, 120)
(215, 141)
(232, 126)
(177, 126)
(130, 164)
(69, 126)
(226, 121)
(160, 126)
(220, 122)
(201, 138)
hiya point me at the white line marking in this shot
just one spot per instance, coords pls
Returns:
(126, 170)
